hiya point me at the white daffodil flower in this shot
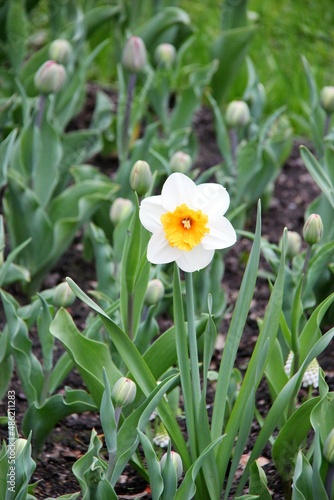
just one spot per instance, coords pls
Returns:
(187, 223)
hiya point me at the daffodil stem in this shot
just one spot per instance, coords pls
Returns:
(192, 340)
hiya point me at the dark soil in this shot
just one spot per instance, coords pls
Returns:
(294, 190)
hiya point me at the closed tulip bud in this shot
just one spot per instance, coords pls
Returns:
(134, 56)
(154, 292)
(294, 243)
(180, 162)
(63, 296)
(328, 450)
(176, 461)
(50, 77)
(123, 392)
(60, 51)
(237, 114)
(165, 54)
(120, 209)
(313, 229)
(327, 99)
(20, 444)
(141, 177)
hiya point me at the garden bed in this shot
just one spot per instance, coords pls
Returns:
(294, 190)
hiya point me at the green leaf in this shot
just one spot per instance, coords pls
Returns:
(138, 368)
(230, 49)
(127, 438)
(6, 370)
(27, 365)
(6, 148)
(90, 470)
(290, 438)
(311, 331)
(166, 343)
(40, 420)
(235, 331)
(322, 417)
(46, 339)
(108, 420)
(258, 482)
(89, 356)
(16, 30)
(96, 16)
(302, 481)
(281, 402)
(256, 365)
(48, 152)
(318, 173)
(187, 489)
(155, 29)
(153, 465)
(223, 141)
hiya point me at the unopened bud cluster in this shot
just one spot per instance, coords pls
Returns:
(237, 114)
(120, 209)
(180, 162)
(50, 78)
(313, 229)
(294, 243)
(60, 51)
(154, 292)
(134, 56)
(165, 54)
(176, 461)
(123, 392)
(63, 296)
(327, 99)
(141, 177)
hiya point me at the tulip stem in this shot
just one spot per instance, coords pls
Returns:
(192, 340)
(41, 107)
(327, 123)
(128, 105)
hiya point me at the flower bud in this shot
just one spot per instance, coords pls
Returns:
(237, 114)
(313, 229)
(20, 444)
(63, 296)
(154, 292)
(134, 54)
(120, 209)
(294, 243)
(50, 77)
(327, 99)
(176, 461)
(165, 54)
(180, 162)
(60, 51)
(123, 392)
(141, 177)
(328, 450)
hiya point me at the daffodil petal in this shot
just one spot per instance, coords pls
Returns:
(221, 235)
(159, 250)
(211, 198)
(150, 212)
(195, 259)
(178, 189)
